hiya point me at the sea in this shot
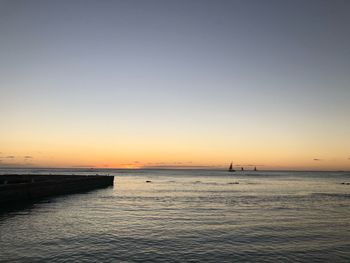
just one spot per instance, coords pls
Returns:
(185, 216)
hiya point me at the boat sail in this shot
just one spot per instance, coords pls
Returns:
(230, 169)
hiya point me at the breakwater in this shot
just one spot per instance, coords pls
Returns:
(17, 188)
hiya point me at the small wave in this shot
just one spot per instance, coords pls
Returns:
(331, 195)
(206, 183)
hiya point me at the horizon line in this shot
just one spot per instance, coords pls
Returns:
(173, 168)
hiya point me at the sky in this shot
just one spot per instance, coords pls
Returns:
(185, 83)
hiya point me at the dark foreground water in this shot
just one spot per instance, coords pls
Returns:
(182, 216)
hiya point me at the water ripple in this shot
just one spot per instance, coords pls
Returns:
(190, 218)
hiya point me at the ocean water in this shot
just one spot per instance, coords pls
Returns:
(186, 216)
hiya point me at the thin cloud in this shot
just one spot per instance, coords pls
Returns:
(170, 164)
(10, 157)
(179, 167)
(317, 160)
(249, 165)
(83, 166)
(15, 165)
(28, 157)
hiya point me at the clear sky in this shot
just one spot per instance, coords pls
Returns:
(175, 83)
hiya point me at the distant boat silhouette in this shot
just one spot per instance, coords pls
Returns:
(242, 169)
(230, 169)
(255, 168)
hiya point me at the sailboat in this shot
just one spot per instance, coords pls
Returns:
(230, 169)
(255, 168)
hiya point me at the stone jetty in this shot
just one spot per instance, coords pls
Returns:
(21, 188)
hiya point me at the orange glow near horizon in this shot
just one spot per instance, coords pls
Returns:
(54, 147)
(137, 155)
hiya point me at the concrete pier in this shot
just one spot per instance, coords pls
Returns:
(18, 188)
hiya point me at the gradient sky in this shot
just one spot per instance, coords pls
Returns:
(175, 83)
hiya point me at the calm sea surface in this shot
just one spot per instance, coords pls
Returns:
(182, 216)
